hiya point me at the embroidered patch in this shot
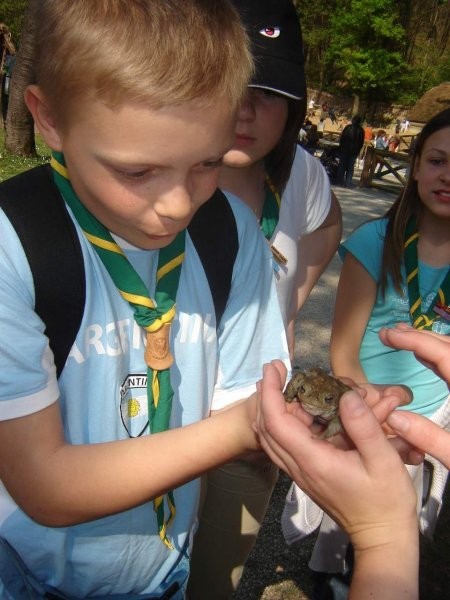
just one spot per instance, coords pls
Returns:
(270, 32)
(134, 405)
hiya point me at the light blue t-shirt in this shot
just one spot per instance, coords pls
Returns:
(102, 393)
(380, 363)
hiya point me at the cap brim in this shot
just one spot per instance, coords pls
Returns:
(281, 77)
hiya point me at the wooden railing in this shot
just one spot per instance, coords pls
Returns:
(379, 163)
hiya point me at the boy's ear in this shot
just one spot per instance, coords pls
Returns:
(42, 115)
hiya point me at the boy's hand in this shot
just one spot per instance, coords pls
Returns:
(366, 489)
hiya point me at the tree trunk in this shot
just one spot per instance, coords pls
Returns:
(19, 139)
(355, 109)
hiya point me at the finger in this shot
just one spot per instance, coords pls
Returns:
(376, 392)
(431, 348)
(409, 455)
(282, 457)
(282, 371)
(270, 387)
(364, 430)
(297, 410)
(384, 408)
(423, 434)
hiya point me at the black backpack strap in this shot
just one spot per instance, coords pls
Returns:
(214, 233)
(38, 213)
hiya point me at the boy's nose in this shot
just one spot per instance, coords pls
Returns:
(175, 204)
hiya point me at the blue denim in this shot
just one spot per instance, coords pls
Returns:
(18, 583)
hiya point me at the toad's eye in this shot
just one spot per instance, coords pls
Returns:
(329, 399)
(302, 389)
(270, 32)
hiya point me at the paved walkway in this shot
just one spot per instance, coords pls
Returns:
(313, 325)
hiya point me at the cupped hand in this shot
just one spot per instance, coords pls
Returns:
(366, 489)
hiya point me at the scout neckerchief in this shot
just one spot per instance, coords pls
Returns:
(154, 316)
(439, 306)
(270, 216)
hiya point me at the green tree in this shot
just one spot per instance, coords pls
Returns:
(366, 48)
(315, 20)
(12, 14)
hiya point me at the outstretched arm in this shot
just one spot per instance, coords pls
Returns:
(57, 483)
(366, 489)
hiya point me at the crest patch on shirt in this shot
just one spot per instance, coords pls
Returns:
(133, 405)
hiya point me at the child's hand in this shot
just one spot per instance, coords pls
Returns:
(432, 349)
(367, 489)
(423, 434)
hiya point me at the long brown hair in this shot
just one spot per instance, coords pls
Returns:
(278, 163)
(407, 205)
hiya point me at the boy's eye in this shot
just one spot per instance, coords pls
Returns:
(213, 164)
(210, 164)
(133, 175)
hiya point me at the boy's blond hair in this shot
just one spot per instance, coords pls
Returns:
(160, 52)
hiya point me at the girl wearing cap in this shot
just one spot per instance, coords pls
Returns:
(289, 193)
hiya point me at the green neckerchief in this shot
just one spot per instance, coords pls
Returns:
(419, 319)
(154, 316)
(271, 210)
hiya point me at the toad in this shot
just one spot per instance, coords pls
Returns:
(319, 394)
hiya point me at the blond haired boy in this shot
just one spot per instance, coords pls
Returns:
(137, 100)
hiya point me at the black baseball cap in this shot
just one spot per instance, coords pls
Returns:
(275, 33)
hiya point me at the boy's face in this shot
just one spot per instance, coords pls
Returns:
(142, 172)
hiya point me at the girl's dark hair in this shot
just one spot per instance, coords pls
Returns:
(279, 160)
(407, 205)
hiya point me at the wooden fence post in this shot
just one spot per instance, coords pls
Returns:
(370, 162)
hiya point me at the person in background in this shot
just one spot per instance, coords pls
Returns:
(394, 140)
(381, 140)
(288, 193)
(312, 139)
(350, 144)
(368, 141)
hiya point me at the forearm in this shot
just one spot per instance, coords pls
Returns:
(66, 484)
(345, 364)
(344, 353)
(388, 571)
(355, 299)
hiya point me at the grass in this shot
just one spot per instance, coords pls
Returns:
(13, 165)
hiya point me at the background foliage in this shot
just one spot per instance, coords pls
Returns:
(390, 50)
(11, 14)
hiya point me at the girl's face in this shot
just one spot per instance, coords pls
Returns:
(432, 173)
(261, 123)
